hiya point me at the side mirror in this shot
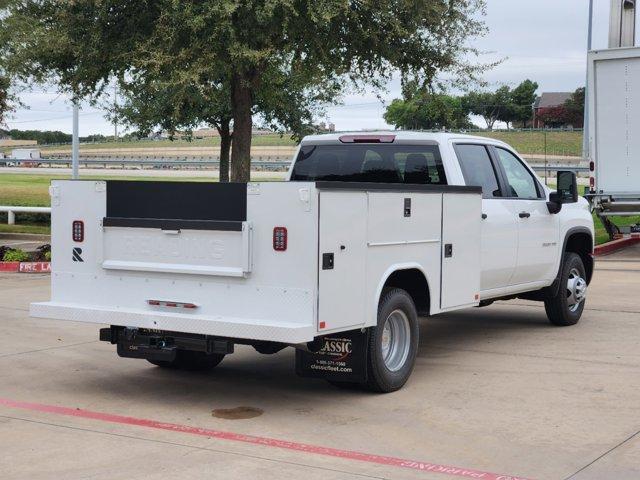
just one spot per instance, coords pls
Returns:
(567, 187)
(567, 191)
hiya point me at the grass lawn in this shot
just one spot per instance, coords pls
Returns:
(558, 143)
(33, 190)
(258, 141)
(25, 228)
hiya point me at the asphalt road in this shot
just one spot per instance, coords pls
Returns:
(494, 390)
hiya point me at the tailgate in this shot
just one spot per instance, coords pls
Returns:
(190, 257)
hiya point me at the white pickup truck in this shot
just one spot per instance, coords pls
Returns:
(370, 232)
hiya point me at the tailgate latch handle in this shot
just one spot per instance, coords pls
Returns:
(327, 261)
(171, 232)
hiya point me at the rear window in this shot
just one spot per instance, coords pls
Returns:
(375, 163)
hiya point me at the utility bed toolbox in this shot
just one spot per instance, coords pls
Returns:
(275, 261)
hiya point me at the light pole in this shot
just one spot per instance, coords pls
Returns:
(585, 121)
(75, 143)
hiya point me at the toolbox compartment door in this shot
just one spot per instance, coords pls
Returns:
(341, 262)
(460, 284)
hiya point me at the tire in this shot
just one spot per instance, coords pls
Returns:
(192, 361)
(392, 352)
(565, 309)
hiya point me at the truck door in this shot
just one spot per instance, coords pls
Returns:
(499, 230)
(341, 260)
(538, 230)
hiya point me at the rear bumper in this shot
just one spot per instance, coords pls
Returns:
(250, 329)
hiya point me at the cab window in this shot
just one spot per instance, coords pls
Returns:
(376, 163)
(520, 181)
(478, 170)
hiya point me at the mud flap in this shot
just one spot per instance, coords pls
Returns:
(342, 358)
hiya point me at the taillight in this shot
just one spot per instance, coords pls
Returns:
(592, 166)
(279, 239)
(77, 231)
(592, 183)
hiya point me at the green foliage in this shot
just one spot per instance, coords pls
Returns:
(276, 58)
(428, 111)
(574, 108)
(5, 97)
(505, 104)
(521, 100)
(15, 255)
(47, 256)
(42, 137)
(491, 106)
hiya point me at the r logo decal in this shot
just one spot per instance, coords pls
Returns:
(77, 252)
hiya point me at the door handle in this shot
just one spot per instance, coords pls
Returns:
(484, 216)
(524, 215)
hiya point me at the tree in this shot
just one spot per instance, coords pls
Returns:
(554, 117)
(574, 108)
(84, 44)
(520, 105)
(5, 98)
(428, 111)
(174, 104)
(491, 106)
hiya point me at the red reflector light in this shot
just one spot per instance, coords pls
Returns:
(163, 303)
(77, 231)
(279, 239)
(592, 184)
(592, 166)
(367, 138)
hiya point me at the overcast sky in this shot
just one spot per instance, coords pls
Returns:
(543, 40)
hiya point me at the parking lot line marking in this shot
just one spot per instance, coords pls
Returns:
(262, 441)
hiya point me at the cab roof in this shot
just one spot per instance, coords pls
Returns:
(398, 137)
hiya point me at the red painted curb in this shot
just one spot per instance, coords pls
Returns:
(9, 266)
(615, 245)
(261, 441)
(35, 267)
(26, 267)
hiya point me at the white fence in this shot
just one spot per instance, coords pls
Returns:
(11, 212)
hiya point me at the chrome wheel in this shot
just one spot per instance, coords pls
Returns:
(396, 340)
(576, 290)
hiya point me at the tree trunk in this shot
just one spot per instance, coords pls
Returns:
(225, 149)
(241, 104)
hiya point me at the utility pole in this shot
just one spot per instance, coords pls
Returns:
(75, 144)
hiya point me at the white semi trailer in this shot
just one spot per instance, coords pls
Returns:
(613, 91)
(614, 96)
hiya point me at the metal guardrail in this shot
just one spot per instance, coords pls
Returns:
(11, 212)
(146, 162)
(279, 164)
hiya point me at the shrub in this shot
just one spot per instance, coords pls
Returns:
(15, 256)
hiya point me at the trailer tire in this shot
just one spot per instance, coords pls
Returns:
(566, 307)
(192, 361)
(393, 343)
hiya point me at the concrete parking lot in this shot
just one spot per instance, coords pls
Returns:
(497, 393)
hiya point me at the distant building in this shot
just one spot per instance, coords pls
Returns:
(546, 102)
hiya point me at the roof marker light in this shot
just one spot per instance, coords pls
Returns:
(367, 138)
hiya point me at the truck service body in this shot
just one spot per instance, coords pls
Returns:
(370, 231)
